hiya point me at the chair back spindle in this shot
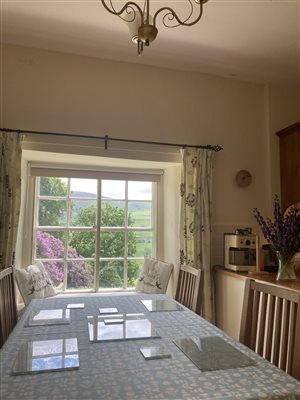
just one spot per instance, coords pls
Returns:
(271, 324)
(8, 309)
(188, 288)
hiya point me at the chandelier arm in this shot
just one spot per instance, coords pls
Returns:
(130, 4)
(147, 6)
(122, 18)
(128, 12)
(144, 8)
(173, 15)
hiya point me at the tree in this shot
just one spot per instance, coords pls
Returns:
(52, 212)
(79, 273)
(109, 277)
(84, 242)
(53, 187)
(112, 243)
(133, 272)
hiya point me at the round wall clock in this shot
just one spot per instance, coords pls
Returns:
(243, 178)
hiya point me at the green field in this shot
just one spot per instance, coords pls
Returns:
(143, 249)
(141, 218)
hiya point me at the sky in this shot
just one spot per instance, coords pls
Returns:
(114, 189)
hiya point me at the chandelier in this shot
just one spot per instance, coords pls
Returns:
(142, 24)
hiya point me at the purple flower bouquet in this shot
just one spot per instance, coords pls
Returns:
(283, 234)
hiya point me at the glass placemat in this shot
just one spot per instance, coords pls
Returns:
(162, 305)
(213, 353)
(108, 310)
(120, 327)
(155, 352)
(48, 317)
(46, 356)
(75, 305)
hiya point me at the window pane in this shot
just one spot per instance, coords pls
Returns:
(139, 190)
(111, 274)
(112, 244)
(53, 186)
(52, 213)
(113, 214)
(113, 189)
(50, 244)
(143, 244)
(134, 269)
(80, 274)
(83, 212)
(83, 188)
(132, 244)
(81, 244)
(55, 271)
(140, 214)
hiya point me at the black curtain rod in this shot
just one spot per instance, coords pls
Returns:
(107, 138)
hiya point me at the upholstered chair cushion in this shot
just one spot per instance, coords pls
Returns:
(154, 277)
(33, 282)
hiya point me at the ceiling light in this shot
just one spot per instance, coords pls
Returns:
(142, 25)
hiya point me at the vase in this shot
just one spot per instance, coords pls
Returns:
(286, 269)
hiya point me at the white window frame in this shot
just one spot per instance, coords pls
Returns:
(119, 175)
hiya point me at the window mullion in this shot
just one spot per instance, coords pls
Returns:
(35, 216)
(126, 237)
(97, 241)
(66, 238)
(154, 222)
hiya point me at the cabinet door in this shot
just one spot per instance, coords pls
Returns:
(229, 302)
(290, 165)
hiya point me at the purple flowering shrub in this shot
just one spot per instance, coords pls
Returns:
(284, 232)
(79, 275)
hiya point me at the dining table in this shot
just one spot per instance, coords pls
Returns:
(130, 346)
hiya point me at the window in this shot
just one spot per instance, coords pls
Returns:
(94, 233)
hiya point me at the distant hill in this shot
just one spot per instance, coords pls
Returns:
(133, 205)
(83, 194)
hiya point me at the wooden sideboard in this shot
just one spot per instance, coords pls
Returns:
(290, 165)
(229, 286)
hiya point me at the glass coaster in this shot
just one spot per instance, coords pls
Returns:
(110, 321)
(46, 356)
(75, 305)
(112, 310)
(48, 317)
(128, 327)
(161, 305)
(155, 352)
(212, 353)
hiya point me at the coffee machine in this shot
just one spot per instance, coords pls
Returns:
(241, 251)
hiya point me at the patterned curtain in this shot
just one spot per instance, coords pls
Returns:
(195, 221)
(10, 192)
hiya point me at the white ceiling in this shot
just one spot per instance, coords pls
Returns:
(255, 40)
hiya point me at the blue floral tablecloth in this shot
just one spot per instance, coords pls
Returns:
(117, 370)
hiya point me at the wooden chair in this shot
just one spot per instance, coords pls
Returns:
(188, 288)
(8, 308)
(270, 324)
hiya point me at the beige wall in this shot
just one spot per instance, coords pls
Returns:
(51, 91)
(57, 92)
(171, 204)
